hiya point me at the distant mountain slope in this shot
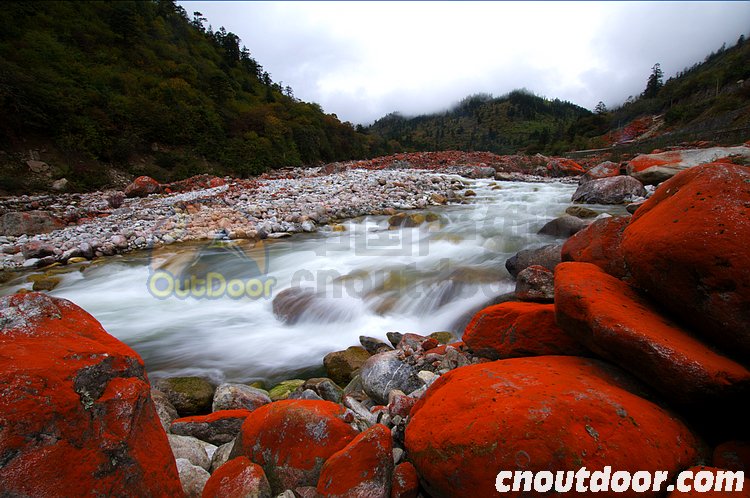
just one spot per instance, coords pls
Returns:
(108, 81)
(708, 101)
(503, 125)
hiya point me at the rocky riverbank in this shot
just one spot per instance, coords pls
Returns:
(38, 231)
(628, 346)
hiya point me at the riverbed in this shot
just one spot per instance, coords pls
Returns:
(207, 308)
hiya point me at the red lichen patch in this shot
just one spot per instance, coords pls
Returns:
(564, 167)
(514, 329)
(291, 439)
(444, 347)
(688, 247)
(405, 483)
(238, 478)
(142, 186)
(704, 482)
(401, 405)
(599, 244)
(611, 319)
(544, 413)
(646, 161)
(77, 415)
(363, 469)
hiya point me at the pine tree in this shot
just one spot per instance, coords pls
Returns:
(655, 82)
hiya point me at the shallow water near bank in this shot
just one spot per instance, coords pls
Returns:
(366, 280)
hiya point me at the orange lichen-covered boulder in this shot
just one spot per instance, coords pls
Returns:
(76, 415)
(142, 186)
(702, 481)
(543, 413)
(291, 439)
(599, 243)
(612, 320)
(238, 478)
(513, 329)
(688, 247)
(363, 469)
(560, 166)
(658, 167)
(405, 482)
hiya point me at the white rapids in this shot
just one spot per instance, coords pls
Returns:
(367, 280)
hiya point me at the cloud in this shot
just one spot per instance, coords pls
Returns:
(362, 60)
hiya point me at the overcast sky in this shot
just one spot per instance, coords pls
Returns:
(362, 60)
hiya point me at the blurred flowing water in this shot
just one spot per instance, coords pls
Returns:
(366, 280)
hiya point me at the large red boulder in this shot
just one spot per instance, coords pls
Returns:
(611, 319)
(238, 478)
(658, 167)
(142, 186)
(688, 247)
(513, 329)
(363, 469)
(548, 413)
(76, 415)
(599, 244)
(291, 439)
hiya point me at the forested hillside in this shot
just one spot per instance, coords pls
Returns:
(109, 81)
(705, 101)
(503, 125)
(710, 96)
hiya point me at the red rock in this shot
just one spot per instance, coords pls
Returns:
(544, 413)
(429, 343)
(656, 168)
(560, 166)
(238, 478)
(217, 428)
(401, 405)
(291, 439)
(733, 455)
(142, 186)
(77, 416)
(611, 319)
(363, 469)
(16, 223)
(606, 169)
(216, 182)
(444, 347)
(701, 484)
(405, 483)
(599, 244)
(687, 247)
(514, 329)
(535, 283)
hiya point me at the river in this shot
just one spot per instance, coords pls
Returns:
(365, 280)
